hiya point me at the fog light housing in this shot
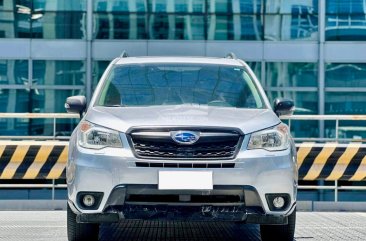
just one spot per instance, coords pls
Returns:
(278, 202)
(88, 200)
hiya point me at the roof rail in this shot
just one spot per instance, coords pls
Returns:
(124, 54)
(230, 55)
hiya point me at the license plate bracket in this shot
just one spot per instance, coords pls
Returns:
(185, 180)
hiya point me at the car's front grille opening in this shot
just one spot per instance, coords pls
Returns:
(153, 198)
(184, 198)
(185, 165)
(215, 199)
(171, 150)
(210, 145)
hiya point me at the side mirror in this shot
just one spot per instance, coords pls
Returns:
(76, 104)
(283, 106)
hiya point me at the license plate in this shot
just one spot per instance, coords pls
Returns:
(185, 180)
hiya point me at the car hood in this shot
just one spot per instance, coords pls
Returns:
(124, 118)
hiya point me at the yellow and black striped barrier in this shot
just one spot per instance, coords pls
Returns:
(332, 161)
(33, 159)
(47, 160)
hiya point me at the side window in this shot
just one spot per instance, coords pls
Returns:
(255, 96)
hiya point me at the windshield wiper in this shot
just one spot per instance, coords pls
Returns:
(113, 105)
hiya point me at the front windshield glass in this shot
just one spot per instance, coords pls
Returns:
(179, 84)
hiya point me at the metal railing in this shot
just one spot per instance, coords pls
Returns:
(336, 188)
(53, 186)
(337, 118)
(56, 116)
(53, 116)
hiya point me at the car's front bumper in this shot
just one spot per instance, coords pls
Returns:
(182, 213)
(259, 170)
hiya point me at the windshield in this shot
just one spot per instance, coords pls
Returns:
(177, 84)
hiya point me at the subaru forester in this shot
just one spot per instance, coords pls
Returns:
(181, 138)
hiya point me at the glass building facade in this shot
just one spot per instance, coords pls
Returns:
(312, 51)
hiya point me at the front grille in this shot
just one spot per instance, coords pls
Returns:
(210, 145)
(171, 150)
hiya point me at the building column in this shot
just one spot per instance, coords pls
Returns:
(321, 75)
(89, 39)
(321, 62)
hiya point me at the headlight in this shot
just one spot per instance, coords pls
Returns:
(275, 139)
(97, 137)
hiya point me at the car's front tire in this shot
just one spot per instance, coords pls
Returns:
(80, 231)
(280, 232)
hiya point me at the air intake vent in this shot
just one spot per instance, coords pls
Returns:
(185, 165)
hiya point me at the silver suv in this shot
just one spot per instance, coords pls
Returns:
(181, 138)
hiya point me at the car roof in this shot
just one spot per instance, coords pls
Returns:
(189, 60)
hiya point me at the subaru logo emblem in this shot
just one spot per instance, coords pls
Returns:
(185, 137)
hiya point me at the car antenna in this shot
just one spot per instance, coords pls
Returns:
(230, 55)
(124, 54)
